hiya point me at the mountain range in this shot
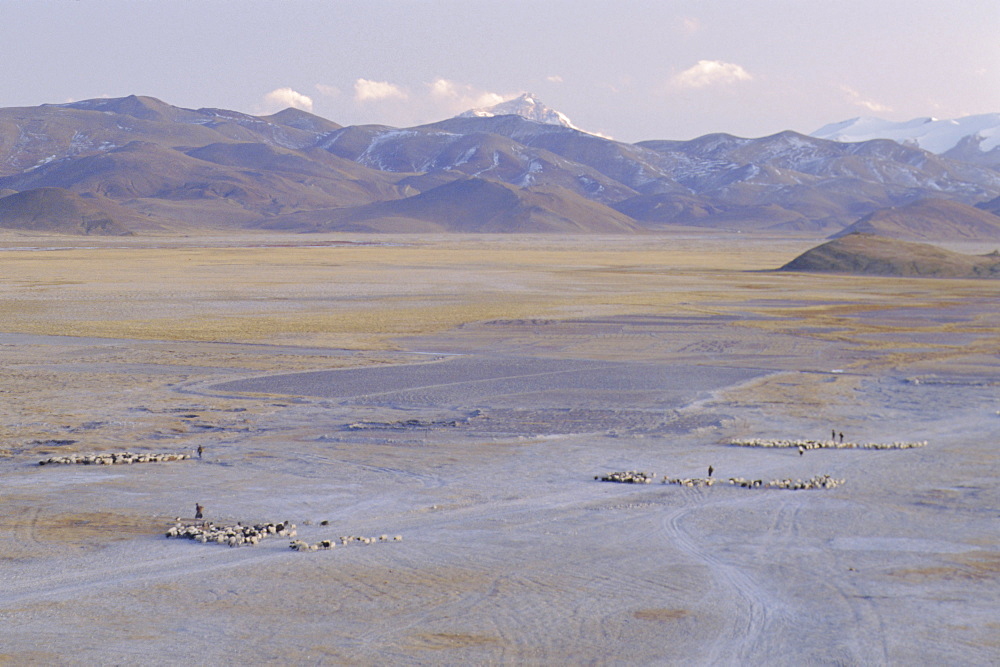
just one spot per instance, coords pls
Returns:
(136, 164)
(973, 139)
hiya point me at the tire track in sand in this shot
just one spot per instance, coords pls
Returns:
(750, 616)
(758, 619)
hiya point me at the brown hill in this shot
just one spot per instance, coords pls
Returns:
(34, 136)
(929, 220)
(867, 254)
(471, 205)
(218, 185)
(65, 212)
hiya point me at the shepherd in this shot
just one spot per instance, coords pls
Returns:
(710, 470)
(198, 511)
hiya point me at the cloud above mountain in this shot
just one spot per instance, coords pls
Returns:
(366, 90)
(456, 97)
(328, 90)
(859, 100)
(691, 24)
(282, 98)
(710, 73)
(395, 104)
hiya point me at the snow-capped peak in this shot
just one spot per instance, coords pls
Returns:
(525, 105)
(930, 134)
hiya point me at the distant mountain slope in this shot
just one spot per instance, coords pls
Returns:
(215, 185)
(470, 205)
(301, 120)
(789, 180)
(34, 136)
(929, 220)
(865, 254)
(62, 211)
(992, 206)
(782, 180)
(469, 149)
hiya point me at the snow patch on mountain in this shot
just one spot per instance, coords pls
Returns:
(930, 134)
(525, 105)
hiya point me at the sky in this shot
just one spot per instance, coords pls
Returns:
(628, 69)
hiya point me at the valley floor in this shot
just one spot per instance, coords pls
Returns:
(463, 393)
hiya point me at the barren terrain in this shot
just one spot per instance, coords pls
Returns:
(463, 392)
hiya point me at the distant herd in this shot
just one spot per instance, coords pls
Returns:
(816, 482)
(638, 477)
(804, 445)
(239, 535)
(247, 536)
(207, 532)
(115, 458)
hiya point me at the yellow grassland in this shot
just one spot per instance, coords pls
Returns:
(362, 296)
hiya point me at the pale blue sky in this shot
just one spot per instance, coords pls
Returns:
(632, 70)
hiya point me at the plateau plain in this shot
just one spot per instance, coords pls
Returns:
(464, 392)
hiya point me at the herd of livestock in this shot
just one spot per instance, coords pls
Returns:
(248, 535)
(815, 482)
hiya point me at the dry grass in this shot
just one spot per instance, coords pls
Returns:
(362, 296)
(975, 566)
(91, 527)
(30, 529)
(365, 297)
(345, 295)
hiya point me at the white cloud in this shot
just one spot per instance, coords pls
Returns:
(443, 88)
(459, 97)
(286, 97)
(366, 90)
(858, 100)
(555, 78)
(691, 24)
(710, 73)
(328, 90)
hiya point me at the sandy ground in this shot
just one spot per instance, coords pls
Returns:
(463, 392)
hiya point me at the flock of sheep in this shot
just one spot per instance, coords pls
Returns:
(803, 445)
(690, 481)
(628, 477)
(114, 458)
(302, 545)
(206, 532)
(816, 482)
(637, 477)
(240, 535)
(248, 536)
(233, 536)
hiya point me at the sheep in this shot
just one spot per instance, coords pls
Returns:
(803, 445)
(628, 477)
(114, 458)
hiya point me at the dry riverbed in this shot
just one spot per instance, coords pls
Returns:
(463, 393)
